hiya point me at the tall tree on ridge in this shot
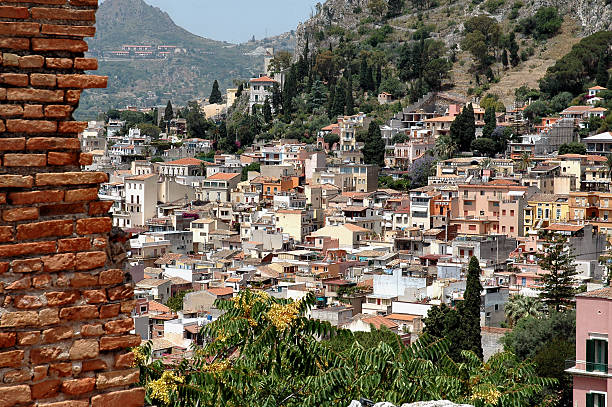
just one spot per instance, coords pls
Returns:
(215, 94)
(558, 284)
(470, 309)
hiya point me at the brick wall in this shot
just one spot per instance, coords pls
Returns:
(64, 311)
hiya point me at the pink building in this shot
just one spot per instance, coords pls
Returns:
(592, 373)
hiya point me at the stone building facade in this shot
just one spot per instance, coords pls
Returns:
(65, 307)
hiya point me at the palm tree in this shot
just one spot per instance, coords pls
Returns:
(486, 164)
(446, 147)
(524, 161)
(609, 166)
(520, 306)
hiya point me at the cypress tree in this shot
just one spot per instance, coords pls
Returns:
(330, 101)
(374, 147)
(490, 122)
(349, 101)
(168, 115)
(267, 111)
(277, 98)
(470, 309)
(370, 78)
(363, 74)
(505, 58)
(378, 77)
(602, 72)
(239, 90)
(215, 94)
(289, 91)
(339, 100)
(558, 291)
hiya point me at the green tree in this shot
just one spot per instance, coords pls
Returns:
(168, 115)
(463, 128)
(521, 306)
(446, 147)
(602, 76)
(267, 111)
(490, 122)
(470, 308)
(374, 146)
(277, 98)
(148, 129)
(251, 167)
(505, 58)
(339, 100)
(572, 148)
(484, 146)
(239, 91)
(349, 102)
(215, 94)
(557, 260)
(175, 303)
(395, 8)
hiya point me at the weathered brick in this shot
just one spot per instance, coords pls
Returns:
(56, 44)
(45, 229)
(25, 160)
(128, 306)
(67, 403)
(14, 12)
(93, 226)
(93, 365)
(100, 243)
(15, 43)
(94, 296)
(124, 361)
(72, 30)
(27, 198)
(31, 126)
(44, 80)
(26, 266)
(70, 178)
(87, 64)
(16, 181)
(9, 59)
(28, 338)
(62, 209)
(35, 95)
(124, 398)
(18, 214)
(109, 311)
(119, 326)
(33, 112)
(46, 389)
(53, 143)
(14, 79)
(19, 319)
(42, 281)
(85, 159)
(12, 358)
(59, 63)
(57, 334)
(74, 245)
(120, 293)
(100, 207)
(63, 369)
(6, 234)
(27, 302)
(80, 280)
(92, 330)
(40, 372)
(47, 354)
(79, 313)
(19, 28)
(117, 378)
(17, 376)
(90, 260)
(31, 61)
(22, 249)
(48, 317)
(44, 13)
(81, 81)
(14, 395)
(71, 127)
(58, 111)
(78, 386)
(11, 111)
(73, 96)
(18, 285)
(59, 262)
(84, 349)
(61, 298)
(119, 342)
(78, 195)
(8, 339)
(12, 144)
(2, 198)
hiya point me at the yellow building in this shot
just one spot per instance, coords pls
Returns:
(544, 209)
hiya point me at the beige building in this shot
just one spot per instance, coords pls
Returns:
(202, 229)
(348, 235)
(296, 223)
(218, 187)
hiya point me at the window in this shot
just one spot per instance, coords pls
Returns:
(512, 212)
(595, 399)
(597, 355)
(472, 227)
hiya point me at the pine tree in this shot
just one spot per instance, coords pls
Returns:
(374, 147)
(470, 309)
(267, 111)
(349, 101)
(490, 122)
(558, 283)
(215, 94)
(602, 72)
(505, 58)
(395, 8)
(514, 48)
(463, 128)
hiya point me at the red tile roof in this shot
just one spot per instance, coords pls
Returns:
(184, 161)
(564, 228)
(263, 79)
(224, 176)
(221, 291)
(378, 322)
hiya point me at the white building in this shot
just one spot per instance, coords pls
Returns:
(261, 88)
(141, 198)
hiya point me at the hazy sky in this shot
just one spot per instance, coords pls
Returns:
(236, 20)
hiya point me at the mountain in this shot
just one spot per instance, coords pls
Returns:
(186, 74)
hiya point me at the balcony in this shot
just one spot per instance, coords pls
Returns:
(581, 367)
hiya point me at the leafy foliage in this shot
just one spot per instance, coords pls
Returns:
(463, 129)
(557, 260)
(545, 23)
(374, 147)
(263, 351)
(572, 148)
